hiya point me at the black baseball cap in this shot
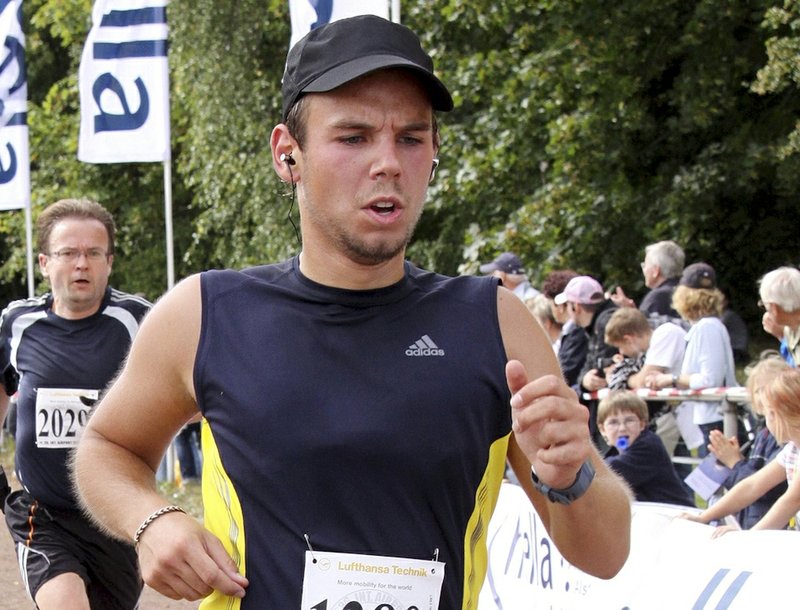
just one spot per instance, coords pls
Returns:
(507, 262)
(343, 50)
(699, 275)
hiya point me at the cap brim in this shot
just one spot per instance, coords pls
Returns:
(488, 268)
(560, 299)
(355, 68)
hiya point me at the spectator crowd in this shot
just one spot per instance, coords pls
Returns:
(634, 367)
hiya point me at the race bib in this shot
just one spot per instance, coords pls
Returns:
(343, 581)
(61, 415)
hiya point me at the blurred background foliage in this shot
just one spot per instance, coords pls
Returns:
(582, 132)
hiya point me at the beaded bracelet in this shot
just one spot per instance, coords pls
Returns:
(146, 523)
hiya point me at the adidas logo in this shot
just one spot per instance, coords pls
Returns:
(424, 347)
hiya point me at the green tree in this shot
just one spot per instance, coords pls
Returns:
(582, 131)
(585, 130)
(229, 98)
(55, 34)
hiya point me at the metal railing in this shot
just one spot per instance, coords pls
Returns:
(729, 396)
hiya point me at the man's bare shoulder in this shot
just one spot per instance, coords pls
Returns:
(523, 337)
(173, 325)
(185, 293)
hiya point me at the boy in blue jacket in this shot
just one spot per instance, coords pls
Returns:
(637, 454)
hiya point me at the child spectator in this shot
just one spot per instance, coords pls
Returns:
(636, 453)
(763, 450)
(779, 399)
(651, 352)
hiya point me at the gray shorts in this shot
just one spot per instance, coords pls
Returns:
(51, 541)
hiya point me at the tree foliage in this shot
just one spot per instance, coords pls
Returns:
(582, 132)
(585, 130)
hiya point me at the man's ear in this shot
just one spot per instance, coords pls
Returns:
(285, 154)
(43, 264)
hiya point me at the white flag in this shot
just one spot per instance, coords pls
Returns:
(124, 83)
(307, 15)
(15, 179)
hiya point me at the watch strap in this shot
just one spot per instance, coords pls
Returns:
(567, 495)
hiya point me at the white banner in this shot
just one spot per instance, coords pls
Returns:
(15, 180)
(307, 15)
(124, 84)
(673, 563)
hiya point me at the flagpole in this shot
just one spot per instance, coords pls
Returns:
(170, 455)
(168, 223)
(29, 248)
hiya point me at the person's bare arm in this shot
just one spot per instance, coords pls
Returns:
(125, 439)
(551, 432)
(784, 508)
(743, 494)
(638, 379)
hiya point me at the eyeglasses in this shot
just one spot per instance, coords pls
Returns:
(70, 255)
(627, 422)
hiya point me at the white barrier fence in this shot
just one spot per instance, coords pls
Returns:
(673, 564)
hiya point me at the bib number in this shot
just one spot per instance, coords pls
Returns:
(343, 581)
(61, 416)
(323, 605)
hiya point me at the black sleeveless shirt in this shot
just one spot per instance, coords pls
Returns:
(373, 421)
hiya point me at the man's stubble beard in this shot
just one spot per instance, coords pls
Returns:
(354, 246)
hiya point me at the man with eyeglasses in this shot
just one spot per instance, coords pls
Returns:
(637, 454)
(662, 267)
(59, 350)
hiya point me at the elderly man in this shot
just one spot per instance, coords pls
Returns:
(780, 298)
(662, 267)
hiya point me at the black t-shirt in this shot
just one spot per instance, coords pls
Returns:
(63, 366)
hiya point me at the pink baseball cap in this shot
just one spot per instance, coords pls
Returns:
(582, 289)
